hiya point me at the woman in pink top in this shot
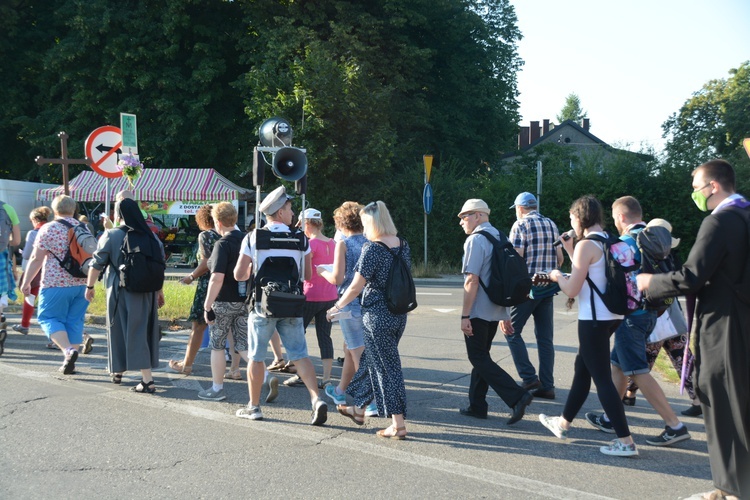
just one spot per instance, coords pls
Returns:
(321, 295)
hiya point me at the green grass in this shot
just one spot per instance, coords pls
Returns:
(434, 269)
(177, 301)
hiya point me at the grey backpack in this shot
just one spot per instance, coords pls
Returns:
(6, 227)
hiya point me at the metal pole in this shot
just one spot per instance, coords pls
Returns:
(539, 186)
(107, 188)
(425, 242)
(255, 253)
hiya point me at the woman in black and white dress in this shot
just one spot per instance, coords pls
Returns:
(380, 376)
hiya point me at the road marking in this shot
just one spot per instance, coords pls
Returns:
(533, 488)
(444, 310)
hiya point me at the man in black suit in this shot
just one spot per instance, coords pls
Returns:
(716, 270)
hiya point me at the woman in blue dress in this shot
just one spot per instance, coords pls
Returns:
(381, 363)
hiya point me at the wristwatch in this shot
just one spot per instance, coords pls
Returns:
(464, 317)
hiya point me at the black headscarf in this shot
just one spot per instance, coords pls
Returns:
(132, 217)
(138, 233)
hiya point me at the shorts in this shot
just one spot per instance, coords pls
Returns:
(230, 317)
(629, 353)
(353, 328)
(63, 309)
(291, 331)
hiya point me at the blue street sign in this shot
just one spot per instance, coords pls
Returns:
(427, 198)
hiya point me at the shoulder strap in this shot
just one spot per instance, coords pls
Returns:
(64, 223)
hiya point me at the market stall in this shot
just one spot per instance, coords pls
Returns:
(168, 196)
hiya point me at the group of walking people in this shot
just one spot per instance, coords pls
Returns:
(244, 281)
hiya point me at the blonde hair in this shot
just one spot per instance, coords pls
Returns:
(64, 205)
(377, 222)
(225, 213)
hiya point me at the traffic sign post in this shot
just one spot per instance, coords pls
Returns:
(426, 200)
(103, 147)
(129, 133)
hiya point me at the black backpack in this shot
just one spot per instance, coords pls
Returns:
(655, 245)
(400, 292)
(621, 294)
(143, 267)
(509, 283)
(277, 287)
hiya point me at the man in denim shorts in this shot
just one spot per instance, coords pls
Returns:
(277, 207)
(629, 355)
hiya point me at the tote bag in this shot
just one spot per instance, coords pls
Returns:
(670, 324)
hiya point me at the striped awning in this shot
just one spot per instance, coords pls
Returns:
(165, 184)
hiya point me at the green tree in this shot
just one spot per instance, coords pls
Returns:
(711, 124)
(381, 83)
(572, 110)
(172, 65)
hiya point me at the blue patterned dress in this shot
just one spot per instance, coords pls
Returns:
(379, 376)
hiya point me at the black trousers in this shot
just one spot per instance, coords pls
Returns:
(485, 373)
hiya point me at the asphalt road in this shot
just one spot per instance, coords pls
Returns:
(80, 436)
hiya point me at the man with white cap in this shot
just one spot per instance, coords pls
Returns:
(277, 207)
(533, 236)
(673, 347)
(628, 357)
(480, 318)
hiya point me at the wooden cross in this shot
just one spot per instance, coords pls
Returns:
(63, 160)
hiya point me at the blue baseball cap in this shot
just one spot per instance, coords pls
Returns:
(524, 200)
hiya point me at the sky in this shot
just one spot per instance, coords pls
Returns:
(632, 64)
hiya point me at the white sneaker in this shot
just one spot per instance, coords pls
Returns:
(250, 412)
(273, 389)
(554, 424)
(319, 413)
(619, 449)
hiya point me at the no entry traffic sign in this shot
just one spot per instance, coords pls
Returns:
(103, 147)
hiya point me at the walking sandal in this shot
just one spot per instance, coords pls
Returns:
(146, 387)
(397, 433)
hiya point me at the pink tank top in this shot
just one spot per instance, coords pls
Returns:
(318, 289)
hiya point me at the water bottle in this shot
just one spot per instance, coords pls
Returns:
(242, 288)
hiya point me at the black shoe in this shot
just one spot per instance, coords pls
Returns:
(471, 412)
(544, 393)
(693, 411)
(69, 365)
(520, 408)
(532, 385)
(628, 401)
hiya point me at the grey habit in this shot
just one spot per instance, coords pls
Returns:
(132, 318)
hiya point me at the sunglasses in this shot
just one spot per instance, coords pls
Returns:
(466, 215)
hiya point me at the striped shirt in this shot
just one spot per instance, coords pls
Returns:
(535, 234)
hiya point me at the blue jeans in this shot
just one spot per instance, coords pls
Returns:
(543, 311)
(291, 331)
(353, 328)
(629, 353)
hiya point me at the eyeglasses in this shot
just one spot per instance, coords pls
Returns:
(466, 215)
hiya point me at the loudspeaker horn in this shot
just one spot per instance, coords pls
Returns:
(259, 168)
(289, 164)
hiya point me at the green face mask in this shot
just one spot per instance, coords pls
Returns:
(701, 201)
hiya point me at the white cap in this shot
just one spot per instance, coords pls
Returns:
(311, 213)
